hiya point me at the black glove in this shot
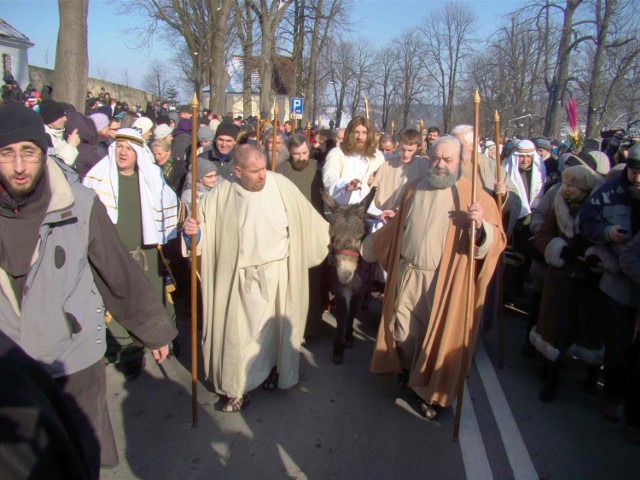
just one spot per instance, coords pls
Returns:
(591, 261)
(568, 254)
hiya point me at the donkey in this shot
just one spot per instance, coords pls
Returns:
(347, 229)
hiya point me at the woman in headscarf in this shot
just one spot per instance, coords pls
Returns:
(571, 306)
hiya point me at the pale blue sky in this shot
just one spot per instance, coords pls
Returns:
(110, 49)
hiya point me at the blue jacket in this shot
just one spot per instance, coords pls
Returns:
(609, 205)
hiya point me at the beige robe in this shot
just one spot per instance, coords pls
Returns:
(425, 248)
(392, 176)
(254, 313)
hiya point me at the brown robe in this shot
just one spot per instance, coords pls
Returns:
(437, 369)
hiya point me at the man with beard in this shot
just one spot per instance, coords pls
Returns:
(257, 237)
(424, 249)
(281, 150)
(348, 170)
(60, 261)
(609, 219)
(223, 149)
(303, 171)
(304, 174)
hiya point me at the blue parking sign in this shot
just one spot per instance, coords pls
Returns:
(296, 105)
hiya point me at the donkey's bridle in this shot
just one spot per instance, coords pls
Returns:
(351, 253)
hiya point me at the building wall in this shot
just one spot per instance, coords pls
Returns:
(133, 96)
(19, 61)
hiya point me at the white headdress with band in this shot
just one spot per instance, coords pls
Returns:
(158, 202)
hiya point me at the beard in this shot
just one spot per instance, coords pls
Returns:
(300, 165)
(19, 192)
(435, 179)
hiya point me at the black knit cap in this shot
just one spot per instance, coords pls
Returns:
(50, 110)
(227, 128)
(21, 124)
(633, 157)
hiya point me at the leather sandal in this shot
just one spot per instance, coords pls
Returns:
(427, 411)
(235, 404)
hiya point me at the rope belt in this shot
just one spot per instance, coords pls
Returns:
(250, 273)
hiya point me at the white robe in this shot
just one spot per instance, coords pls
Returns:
(254, 275)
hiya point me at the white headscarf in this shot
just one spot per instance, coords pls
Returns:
(158, 202)
(538, 174)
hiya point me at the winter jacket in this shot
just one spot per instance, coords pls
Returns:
(88, 154)
(610, 205)
(59, 320)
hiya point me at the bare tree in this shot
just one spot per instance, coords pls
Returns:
(245, 23)
(308, 25)
(386, 80)
(411, 72)
(157, 80)
(269, 16)
(339, 59)
(219, 11)
(72, 60)
(557, 74)
(362, 74)
(201, 26)
(447, 35)
(125, 77)
(610, 15)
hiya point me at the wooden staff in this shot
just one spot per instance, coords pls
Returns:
(258, 128)
(194, 263)
(366, 108)
(421, 138)
(309, 132)
(500, 276)
(470, 271)
(393, 127)
(273, 137)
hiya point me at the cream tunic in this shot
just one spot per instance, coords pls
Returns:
(392, 176)
(263, 280)
(423, 244)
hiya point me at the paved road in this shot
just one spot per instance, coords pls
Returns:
(343, 422)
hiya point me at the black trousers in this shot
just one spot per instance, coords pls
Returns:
(86, 394)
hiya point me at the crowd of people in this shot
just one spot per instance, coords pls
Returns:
(95, 226)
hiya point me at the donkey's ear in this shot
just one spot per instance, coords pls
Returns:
(329, 201)
(364, 204)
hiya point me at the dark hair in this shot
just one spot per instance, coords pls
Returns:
(297, 140)
(433, 129)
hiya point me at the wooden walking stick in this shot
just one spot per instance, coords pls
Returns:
(393, 127)
(273, 137)
(500, 275)
(421, 138)
(308, 132)
(258, 128)
(366, 108)
(470, 271)
(194, 260)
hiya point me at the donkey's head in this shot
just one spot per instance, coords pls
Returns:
(347, 229)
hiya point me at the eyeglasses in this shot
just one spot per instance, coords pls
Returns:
(28, 156)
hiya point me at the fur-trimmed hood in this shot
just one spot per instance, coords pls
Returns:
(569, 225)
